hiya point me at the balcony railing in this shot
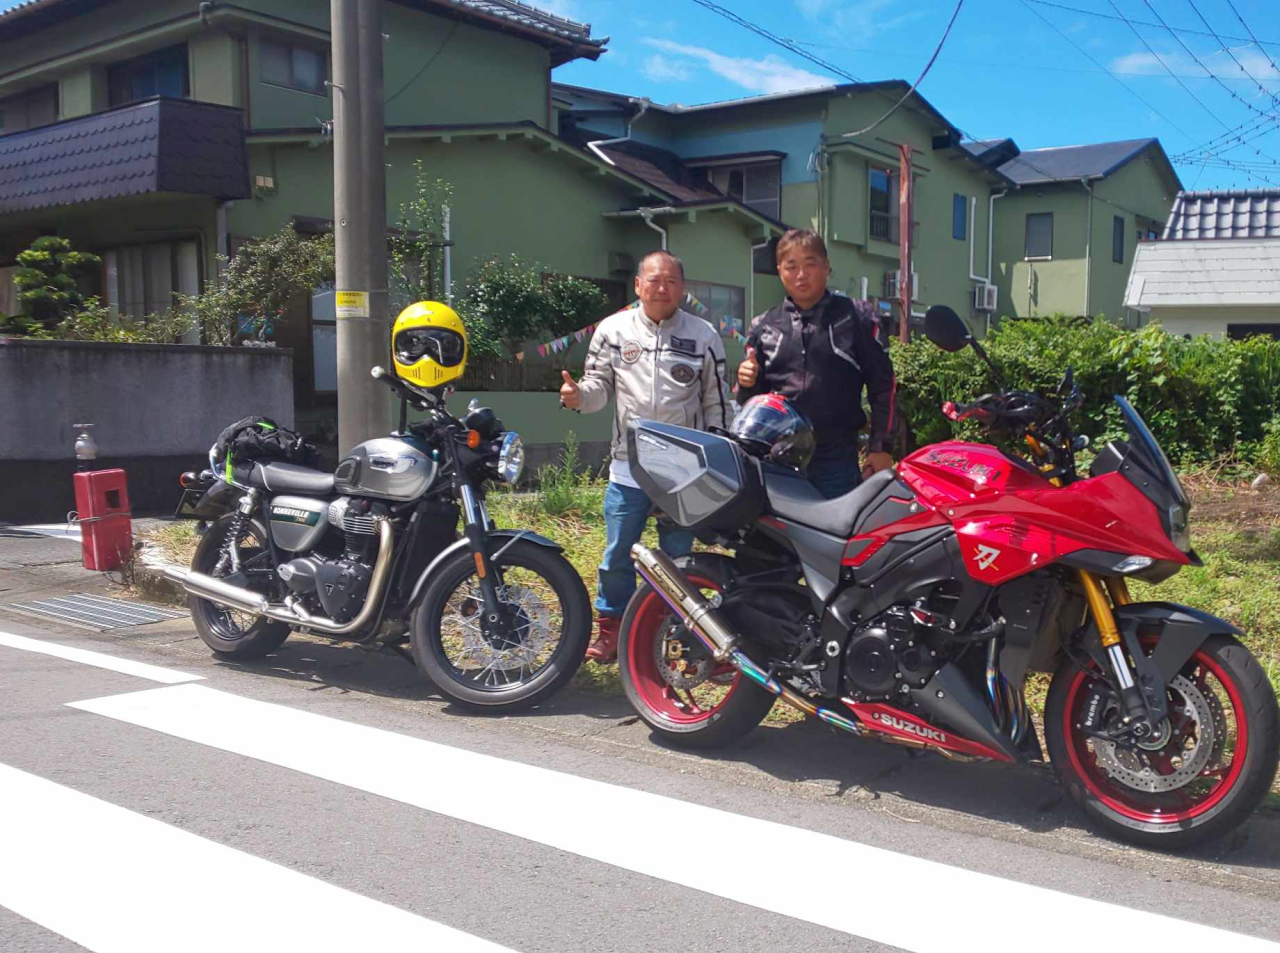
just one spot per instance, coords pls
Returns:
(884, 227)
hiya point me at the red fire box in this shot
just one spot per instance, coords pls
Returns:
(106, 530)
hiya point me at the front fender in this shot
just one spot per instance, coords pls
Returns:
(498, 540)
(1182, 631)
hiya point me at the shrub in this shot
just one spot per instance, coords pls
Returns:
(48, 281)
(1202, 398)
(569, 489)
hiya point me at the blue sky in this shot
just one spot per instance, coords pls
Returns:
(1003, 72)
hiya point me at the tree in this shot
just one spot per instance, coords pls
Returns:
(48, 281)
(258, 283)
(416, 262)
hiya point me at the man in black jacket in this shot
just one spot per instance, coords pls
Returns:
(819, 350)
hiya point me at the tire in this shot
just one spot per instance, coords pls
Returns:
(641, 636)
(224, 633)
(522, 562)
(1201, 808)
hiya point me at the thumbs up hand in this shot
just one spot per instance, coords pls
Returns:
(570, 394)
(749, 369)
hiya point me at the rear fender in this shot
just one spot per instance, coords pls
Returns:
(1182, 631)
(498, 540)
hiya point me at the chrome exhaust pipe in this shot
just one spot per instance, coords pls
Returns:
(215, 590)
(702, 617)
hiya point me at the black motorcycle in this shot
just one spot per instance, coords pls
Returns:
(497, 619)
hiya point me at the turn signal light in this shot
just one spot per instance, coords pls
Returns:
(473, 439)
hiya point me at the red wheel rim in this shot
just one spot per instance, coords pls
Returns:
(1142, 806)
(665, 702)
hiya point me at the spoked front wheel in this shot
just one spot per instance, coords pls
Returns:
(537, 651)
(1206, 768)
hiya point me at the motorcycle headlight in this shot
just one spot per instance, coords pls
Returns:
(511, 458)
(1179, 527)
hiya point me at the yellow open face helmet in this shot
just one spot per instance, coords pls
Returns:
(429, 345)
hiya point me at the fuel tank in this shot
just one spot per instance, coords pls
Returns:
(956, 472)
(388, 468)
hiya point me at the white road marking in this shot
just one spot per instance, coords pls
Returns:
(890, 898)
(118, 882)
(69, 531)
(114, 663)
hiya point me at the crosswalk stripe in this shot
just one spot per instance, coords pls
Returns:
(97, 659)
(118, 882)
(890, 898)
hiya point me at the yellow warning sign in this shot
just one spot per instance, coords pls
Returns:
(351, 304)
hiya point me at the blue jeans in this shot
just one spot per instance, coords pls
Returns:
(836, 473)
(626, 510)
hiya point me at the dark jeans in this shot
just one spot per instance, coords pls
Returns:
(835, 473)
(626, 511)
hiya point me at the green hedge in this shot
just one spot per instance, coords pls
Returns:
(1202, 398)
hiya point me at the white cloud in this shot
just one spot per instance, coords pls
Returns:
(559, 8)
(662, 69)
(772, 74)
(1144, 63)
(860, 20)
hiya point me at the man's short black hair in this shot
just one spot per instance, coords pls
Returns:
(659, 253)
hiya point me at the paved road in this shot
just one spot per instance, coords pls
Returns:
(154, 799)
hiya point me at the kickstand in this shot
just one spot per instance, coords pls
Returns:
(400, 651)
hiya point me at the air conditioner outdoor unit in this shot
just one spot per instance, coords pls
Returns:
(891, 288)
(985, 298)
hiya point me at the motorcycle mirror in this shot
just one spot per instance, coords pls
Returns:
(1068, 382)
(945, 328)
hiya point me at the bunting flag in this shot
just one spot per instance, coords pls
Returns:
(519, 355)
(542, 350)
(577, 336)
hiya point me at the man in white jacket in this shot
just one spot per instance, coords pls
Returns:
(656, 362)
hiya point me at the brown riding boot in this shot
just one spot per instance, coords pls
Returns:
(605, 648)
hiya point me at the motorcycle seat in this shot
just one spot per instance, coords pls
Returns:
(291, 478)
(794, 498)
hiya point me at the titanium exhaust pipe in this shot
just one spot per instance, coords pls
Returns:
(702, 617)
(215, 590)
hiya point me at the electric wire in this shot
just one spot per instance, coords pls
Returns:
(1108, 16)
(1227, 49)
(919, 79)
(1254, 39)
(775, 38)
(430, 59)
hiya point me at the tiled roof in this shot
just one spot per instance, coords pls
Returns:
(161, 145)
(659, 168)
(532, 17)
(1246, 213)
(1069, 163)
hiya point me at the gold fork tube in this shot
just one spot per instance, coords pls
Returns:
(1118, 589)
(1100, 607)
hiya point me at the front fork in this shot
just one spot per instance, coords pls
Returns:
(494, 621)
(1101, 599)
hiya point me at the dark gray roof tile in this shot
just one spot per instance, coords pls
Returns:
(161, 145)
(1068, 163)
(1235, 213)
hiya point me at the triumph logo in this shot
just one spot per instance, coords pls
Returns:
(910, 727)
(986, 558)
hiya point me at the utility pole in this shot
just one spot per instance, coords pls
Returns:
(362, 338)
(904, 241)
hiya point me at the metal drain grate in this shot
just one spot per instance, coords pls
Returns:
(95, 612)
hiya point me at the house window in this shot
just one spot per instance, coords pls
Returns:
(142, 279)
(727, 303)
(959, 217)
(1039, 235)
(758, 186)
(1117, 240)
(1238, 332)
(293, 67)
(36, 108)
(884, 211)
(163, 73)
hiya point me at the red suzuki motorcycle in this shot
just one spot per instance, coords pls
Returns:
(913, 609)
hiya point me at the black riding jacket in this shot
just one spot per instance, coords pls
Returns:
(820, 360)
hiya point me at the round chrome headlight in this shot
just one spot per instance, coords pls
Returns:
(511, 458)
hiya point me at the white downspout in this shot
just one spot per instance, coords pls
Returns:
(595, 147)
(864, 287)
(647, 215)
(973, 221)
(1088, 251)
(448, 260)
(751, 282)
(991, 235)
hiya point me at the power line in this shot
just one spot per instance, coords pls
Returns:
(430, 59)
(1227, 49)
(1231, 92)
(925, 72)
(1161, 61)
(1256, 41)
(1108, 16)
(1092, 59)
(775, 38)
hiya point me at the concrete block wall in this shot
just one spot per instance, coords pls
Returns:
(156, 409)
